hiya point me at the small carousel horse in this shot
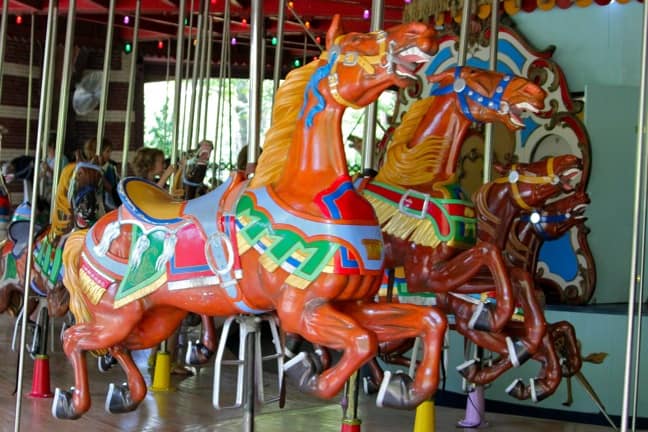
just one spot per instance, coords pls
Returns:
(297, 240)
(528, 233)
(428, 224)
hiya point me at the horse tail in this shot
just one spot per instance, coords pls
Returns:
(71, 279)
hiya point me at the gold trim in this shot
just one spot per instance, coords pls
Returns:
(297, 282)
(153, 286)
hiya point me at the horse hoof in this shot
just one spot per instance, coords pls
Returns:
(62, 407)
(118, 400)
(395, 392)
(302, 370)
(518, 352)
(467, 368)
(105, 363)
(516, 388)
(198, 354)
(481, 318)
(369, 386)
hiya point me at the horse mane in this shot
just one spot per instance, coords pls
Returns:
(279, 137)
(412, 166)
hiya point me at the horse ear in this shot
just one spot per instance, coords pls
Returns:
(501, 169)
(334, 31)
(449, 74)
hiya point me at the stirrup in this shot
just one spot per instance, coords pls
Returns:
(248, 324)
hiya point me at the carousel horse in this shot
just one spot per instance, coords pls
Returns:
(297, 240)
(428, 225)
(525, 238)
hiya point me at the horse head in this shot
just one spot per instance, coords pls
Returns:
(531, 185)
(558, 217)
(488, 96)
(361, 65)
(86, 194)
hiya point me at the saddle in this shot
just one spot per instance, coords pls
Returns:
(149, 202)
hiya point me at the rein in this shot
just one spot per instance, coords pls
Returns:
(515, 177)
(465, 91)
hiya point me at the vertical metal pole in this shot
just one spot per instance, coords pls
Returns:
(276, 76)
(194, 83)
(463, 41)
(47, 77)
(368, 145)
(50, 83)
(3, 40)
(178, 83)
(186, 83)
(635, 289)
(249, 387)
(29, 87)
(201, 76)
(64, 99)
(208, 69)
(65, 85)
(131, 90)
(105, 78)
(256, 77)
(224, 60)
(489, 130)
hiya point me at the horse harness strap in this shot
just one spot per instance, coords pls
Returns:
(351, 59)
(515, 177)
(463, 90)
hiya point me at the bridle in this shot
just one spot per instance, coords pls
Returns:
(465, 91)
(515, 177)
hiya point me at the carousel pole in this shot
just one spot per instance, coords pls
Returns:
(201, 77)
(194, 83)
(132, 71)
(47, 87)
(65, 86)
(276, 75)
(208, 69)
(105, 77)
(186, 84)
(3, 39)
(224, 60)
(30, 87)
(489, 130)
(178, 85)
(256, 80)
(635, 289)
(371, 112)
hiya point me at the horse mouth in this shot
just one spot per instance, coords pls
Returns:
(578, 212)
(516, 111)
(409, 61)
(568, 179)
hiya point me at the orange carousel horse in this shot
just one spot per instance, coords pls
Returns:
(297, 239)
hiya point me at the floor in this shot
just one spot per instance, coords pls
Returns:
(188, 407)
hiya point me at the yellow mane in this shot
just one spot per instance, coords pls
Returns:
(288, 102)
(413, 166)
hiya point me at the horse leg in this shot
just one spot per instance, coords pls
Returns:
(108, 330)
(564, 338)
(202, 351)
(125, 397)
(397, 321)
(486, 316)
(320, 323)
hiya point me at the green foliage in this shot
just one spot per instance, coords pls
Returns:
(161, 134)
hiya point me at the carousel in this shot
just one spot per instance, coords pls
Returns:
(377, 215)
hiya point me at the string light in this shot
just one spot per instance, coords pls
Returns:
(318, 39)
(307, 24)
(19, 19)
(274, 40)
(296, 63)
(160, 44)
(291, 5)
(128, 47)
(126, 19)
(365, 14)
(244, 22)
(233, 41)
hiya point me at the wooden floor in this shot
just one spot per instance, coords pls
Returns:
(189, 407)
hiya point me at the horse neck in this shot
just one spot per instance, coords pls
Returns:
(522, 246)
(444, 119)
(495, 213)
(316, 152)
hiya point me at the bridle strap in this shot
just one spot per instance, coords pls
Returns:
(352, 58)
(515, 177)
(464, 91)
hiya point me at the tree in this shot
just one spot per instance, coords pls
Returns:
(161, 134)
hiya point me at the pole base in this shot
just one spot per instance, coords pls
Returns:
(425, 418)
(41, 379)
(351, 425)
(162, 373)
(475, 410)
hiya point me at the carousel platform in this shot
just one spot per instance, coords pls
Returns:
(188, 407)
